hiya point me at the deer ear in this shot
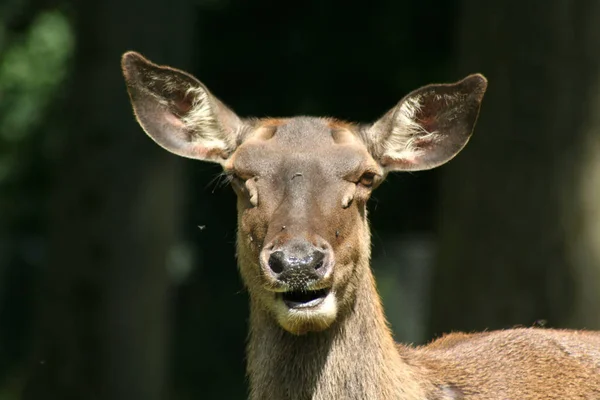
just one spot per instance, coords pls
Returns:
(428, 127)
(178, 112)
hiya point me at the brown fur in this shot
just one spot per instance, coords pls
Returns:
(309, 179)
(271, 122)
(337, 124)
(356, 358)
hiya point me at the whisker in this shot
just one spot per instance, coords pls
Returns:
(220, 180)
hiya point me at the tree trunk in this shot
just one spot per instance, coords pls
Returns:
(102, 331)
(520, 217)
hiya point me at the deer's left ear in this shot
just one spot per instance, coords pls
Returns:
(428, 127)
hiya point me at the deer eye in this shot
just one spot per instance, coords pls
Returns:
(367, 179)
(245, 186)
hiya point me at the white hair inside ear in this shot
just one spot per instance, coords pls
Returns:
(428, 127)
(178, 112)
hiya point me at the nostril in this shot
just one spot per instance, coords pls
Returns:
(317, 260)
(276, 262)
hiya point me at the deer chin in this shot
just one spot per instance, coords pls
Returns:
(303, 312)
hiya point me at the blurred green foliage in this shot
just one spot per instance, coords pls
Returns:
(31, 71)
(33, 68)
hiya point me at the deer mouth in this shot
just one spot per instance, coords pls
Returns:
(300, 310)
(298, 299)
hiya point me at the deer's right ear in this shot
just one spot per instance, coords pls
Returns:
(178, 112)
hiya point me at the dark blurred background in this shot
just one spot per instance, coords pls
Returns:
(117, 271)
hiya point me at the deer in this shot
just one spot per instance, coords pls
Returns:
(317, 329)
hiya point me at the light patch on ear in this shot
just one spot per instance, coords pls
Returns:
(178, 112)
(201, 121)
(407, 133)
(428, 127)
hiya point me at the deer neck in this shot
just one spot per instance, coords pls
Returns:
(356, 358)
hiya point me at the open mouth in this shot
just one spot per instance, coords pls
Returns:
(304, 298)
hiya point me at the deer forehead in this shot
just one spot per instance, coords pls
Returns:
(302, 146)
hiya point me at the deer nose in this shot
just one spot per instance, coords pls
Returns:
(280, 262)
(299, 263)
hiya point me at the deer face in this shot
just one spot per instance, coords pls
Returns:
(302, 183)
(302, 187)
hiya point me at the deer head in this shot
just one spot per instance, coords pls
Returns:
(302, 183)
